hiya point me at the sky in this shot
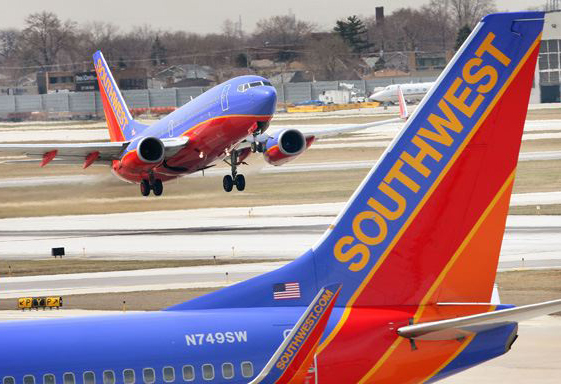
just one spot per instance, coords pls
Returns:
(207, 16)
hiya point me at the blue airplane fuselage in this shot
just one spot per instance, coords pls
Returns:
(215, 123)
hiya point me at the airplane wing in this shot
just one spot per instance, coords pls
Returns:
(78, 153)
(458, 327)
(327, 132)
(291, 360)
(312, 135)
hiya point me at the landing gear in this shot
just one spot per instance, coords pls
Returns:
(157, 186)
(228, 183)
(240, 182)
(236, 179)
(144, 187)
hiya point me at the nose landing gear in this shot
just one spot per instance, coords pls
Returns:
(236, 179)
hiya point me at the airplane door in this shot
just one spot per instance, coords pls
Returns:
(224, 98)
(171, 128)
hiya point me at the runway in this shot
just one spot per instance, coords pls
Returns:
(257, 232)
(379, 136)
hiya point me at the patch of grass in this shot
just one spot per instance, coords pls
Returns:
(529, 286)
(551, 209)
(65, 266)
(538, 176)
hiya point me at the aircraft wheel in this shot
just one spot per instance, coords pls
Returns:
(144, 187)
(240, 182)
(158, 187)
(228, 183)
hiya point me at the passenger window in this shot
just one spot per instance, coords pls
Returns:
(169, 374)
(68, 378)
(89, 377)
(29, 379)
(149, 375)
(227, 370)
(9, 380)
(128, 376)
(208, 371)
(188, 373)
(247, 369)
(49, 379)
(108, 377)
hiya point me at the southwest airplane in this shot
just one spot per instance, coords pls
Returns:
(226, 123)
(398, 289)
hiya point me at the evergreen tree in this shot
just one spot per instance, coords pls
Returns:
(241, 60)
(353, 32)
(463, 34)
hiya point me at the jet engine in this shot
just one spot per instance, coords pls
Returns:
(149, 153)
(285, 146)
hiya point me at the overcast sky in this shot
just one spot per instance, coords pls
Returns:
(204, 16)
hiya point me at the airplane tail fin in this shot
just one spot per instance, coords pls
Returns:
(403, 113)
(426, 224)
(121, 125)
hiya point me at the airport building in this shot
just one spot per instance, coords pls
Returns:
(547, 80)
(70, 81)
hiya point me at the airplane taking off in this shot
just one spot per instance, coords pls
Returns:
(227, 122)
(398, 289)
(411, 91)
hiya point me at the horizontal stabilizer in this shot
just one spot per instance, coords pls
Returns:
(291, 360)
(455, 328)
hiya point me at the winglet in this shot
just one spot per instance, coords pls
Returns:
(291, 360)
(402, 104)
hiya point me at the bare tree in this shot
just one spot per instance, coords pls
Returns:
(45, 37)
(282, 30)
(324, 56)
(8, 43)
(469, 12)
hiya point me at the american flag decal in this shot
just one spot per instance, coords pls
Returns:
(286, 291)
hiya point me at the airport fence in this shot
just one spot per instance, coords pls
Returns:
(88, 104)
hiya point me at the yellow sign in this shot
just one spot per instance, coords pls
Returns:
(39, 302)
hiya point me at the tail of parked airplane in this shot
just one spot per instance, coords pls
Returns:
(419, 241)
(122, 126)
(426, 224)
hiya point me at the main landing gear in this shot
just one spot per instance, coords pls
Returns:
(236, 179)
(156, 186)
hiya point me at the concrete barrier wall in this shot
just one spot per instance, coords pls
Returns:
(89, 103)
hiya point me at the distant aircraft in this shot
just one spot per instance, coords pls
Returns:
(411, 91)
(398, 289)
(227, 122)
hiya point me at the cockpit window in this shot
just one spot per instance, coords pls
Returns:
(246, 86)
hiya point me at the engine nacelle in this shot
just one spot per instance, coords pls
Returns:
(285, 146)
(149, 153)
